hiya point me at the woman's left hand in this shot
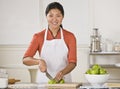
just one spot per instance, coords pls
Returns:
(59, 76)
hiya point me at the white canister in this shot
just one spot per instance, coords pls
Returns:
(109, 43)
(3, 82)
(3, 78)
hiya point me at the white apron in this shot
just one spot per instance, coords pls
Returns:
(54, 52)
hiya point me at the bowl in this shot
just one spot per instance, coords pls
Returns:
(97, 80)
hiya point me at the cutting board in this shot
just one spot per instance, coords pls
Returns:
(65, 85)
(32, 85)
(113, 85)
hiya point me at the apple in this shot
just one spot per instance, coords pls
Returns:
(52, 82)
(103, 71)
(94, 71)
(62, 81)
(96, 66)
(88, 71)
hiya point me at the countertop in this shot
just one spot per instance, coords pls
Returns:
(63, 86)
(44, 86)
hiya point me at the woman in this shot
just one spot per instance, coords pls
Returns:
(56, 46)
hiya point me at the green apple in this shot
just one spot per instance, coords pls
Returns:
(62, 81)
(52, 82)
(103, 71)
(88, 71)
(94, 71)
(96, 66)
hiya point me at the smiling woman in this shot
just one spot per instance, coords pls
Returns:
(56, 47)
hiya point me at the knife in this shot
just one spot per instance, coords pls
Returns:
(49, 76)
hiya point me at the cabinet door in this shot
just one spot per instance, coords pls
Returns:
(105, 15)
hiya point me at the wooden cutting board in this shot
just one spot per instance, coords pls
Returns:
(65, 85)
(113, 85)
(60, 86)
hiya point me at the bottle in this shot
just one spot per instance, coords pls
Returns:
(3, 78)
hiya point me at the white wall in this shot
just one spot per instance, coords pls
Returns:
(105, 15)
(19, 19)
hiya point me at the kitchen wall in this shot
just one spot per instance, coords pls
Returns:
(20, 19)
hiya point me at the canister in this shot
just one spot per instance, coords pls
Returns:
(3, 78)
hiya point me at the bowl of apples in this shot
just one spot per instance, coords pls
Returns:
(96, 75)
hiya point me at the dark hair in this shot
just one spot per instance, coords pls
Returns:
(54, 5)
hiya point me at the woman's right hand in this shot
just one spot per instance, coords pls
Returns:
(42, 65)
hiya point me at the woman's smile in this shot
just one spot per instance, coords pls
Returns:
(54, 18)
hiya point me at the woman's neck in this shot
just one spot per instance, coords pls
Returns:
(54, 31)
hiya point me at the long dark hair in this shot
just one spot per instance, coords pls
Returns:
(55, 5)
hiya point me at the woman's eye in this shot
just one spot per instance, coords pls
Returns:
(54, 16)
(58, 16)
(50, 15)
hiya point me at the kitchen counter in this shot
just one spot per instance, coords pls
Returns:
(63, 86)
(44, 86)
(105, 86)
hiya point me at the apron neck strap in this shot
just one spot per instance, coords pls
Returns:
(61, 32)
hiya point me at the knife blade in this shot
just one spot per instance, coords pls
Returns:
(49, 76)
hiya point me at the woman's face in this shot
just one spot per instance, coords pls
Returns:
(54, 18)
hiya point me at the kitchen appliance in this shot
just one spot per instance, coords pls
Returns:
(95, 45)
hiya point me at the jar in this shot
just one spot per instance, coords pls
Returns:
(109, 45)
(117, 46)
(3, 78)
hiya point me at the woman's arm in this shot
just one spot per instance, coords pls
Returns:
(30, 61)
(68, 68)
(65, 71)
(33, 61)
